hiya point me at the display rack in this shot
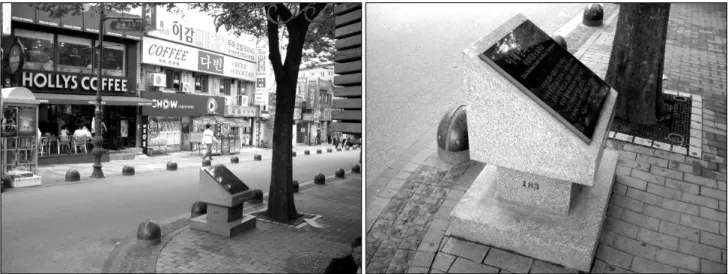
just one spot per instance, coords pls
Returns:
(19, 153)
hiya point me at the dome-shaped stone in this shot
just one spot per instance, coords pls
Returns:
(452, 136)
(318, 151)
(149, 233)
(257, 157)
(340, 173)
(307, 152)
(234, 160)
(356, 169)
(338, 149)
(319, 179)
(294, 186)
(127, 170)
(347, 148)
(293, 154)
(171, 165)
(72, 175)
(198, 209)
(560, 40)
(257, 196)
(593, 15)
(206, 162)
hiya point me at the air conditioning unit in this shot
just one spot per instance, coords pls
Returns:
(159, 80)
(186, 87)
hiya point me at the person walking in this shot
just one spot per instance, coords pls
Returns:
(318, 137)
(207, 138)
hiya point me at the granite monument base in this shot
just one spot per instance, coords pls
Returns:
(230, 229)
(569, 240)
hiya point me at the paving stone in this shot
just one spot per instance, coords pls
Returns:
(508, 261)
(651, 160)
(666, 172)
(471, 251)
(722, 205)
(614, 256)
(422, 259)
(634, 164)
(699, 223)
(621, 227)
(713, 193)
(712, 214)
(606, 237)
(415, 269)
(713, 239)
(395, 184)
(699, 200)
(720, 176)
(700, 250)
(680, 231)
(662, 214)
(648, 176)
(644, 197)
(648, 266)
(687, 168)
(681, 206)
(658, 239)
(678, 259)
(639, 149)
(632, 181)
(604, 267)
(669, 155)
(627, 202)
(443, 261)
(539, 266)
(682, 186)
(462, 265)
(708, 266)
(623, 170)
(664, 191)
(620, 188)
(627, 155)
(700, 180)
(634, 247)
(640, 219)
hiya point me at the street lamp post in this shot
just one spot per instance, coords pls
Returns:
(98, 151)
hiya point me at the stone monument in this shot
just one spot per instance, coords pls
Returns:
(224, 193)
(539, 119)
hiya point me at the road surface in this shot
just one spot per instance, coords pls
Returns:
(73, 228)
(413, 65)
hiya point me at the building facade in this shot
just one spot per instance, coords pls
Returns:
(314, 103)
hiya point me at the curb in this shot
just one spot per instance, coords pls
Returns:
(593, 38)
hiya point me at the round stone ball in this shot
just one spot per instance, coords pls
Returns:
(593, 15)
(234, 160)
(171, 165)
(318, 151)
(329, 150)
(340, 173)
(347, 148)
(294, 186)
(307, 152)
(356, 169)
(293, 154)
(149, 233)
(257, 196)
(258, 157)
(206, 162)
(198, 209)
(452, 136)
(127, 170)
(319, 179)
(72, 175)
(559, 40)
(338, 149)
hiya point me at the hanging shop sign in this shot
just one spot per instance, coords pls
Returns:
(174, 104)
(297, 114)
(168, 54)
(71, 81)
(16, 57)
(241, 111)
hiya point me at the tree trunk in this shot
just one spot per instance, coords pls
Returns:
(637, 61)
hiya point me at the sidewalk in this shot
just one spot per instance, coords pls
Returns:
(667, 212)
(56, 174)
(270, 247)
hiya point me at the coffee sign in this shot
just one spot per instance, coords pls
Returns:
(71, 81)
(16, 57)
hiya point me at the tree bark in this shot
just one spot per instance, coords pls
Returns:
(637, 61)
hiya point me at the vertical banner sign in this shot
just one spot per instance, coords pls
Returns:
(261, 63)
(6, 19)
(145, 134)
(260, 83)
(149, 15)
(124, 128)
(311, 98)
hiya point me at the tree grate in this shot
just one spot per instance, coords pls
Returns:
(666, 130)
(263, 216)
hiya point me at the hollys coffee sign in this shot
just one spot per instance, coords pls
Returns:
(175, 105)
(71, 81)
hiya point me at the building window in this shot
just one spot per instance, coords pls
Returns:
(201, 83)
(242, 100)
(174, 79)
(114, 59)
(226, 86)
(39, 49)
(74, 54)
(323, 74)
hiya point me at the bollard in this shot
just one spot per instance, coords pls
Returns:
(319, 179)
(338, 149)
(306, 152)
(318, 151)
(72, 175)
(257, 196)
(329, 150)
(257, 157)
(206, 162)
(294, 186)
(198, 209)
(452, 136)
(356, 169)
(149, 234)
(340, 173)
(171, 165)
(293, 154)
(128, 170)
(234, 160)
(560, 40)
(593, 15)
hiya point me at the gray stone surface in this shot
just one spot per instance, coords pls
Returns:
(231, 229)
(535, 192)
(570, 240)
(509, 129)
(212, 193)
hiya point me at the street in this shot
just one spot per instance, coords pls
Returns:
(73, 228)
(413, 65)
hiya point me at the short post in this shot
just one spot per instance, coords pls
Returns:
(149, 234)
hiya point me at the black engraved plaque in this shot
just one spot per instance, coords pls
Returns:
(551, 76)
(226, 179)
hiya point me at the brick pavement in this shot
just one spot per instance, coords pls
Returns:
(667, 212)
(269, 248)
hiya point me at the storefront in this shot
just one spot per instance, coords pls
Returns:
(18, 128)
(242, 118)
(174, 121)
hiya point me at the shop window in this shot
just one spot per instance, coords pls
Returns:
(114, 59)
(201, 83)
(174, 79)
(74, 54)
(39, 49)
(226, 86)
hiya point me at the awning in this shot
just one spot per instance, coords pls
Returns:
(238, 121)
(75, 99)
(18, 95)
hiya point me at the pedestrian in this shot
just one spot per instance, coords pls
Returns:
(318, 137)
(336, 142)
(207, 138)
(348, 264)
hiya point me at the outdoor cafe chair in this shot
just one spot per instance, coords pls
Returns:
(80, 142)
(64, 141)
